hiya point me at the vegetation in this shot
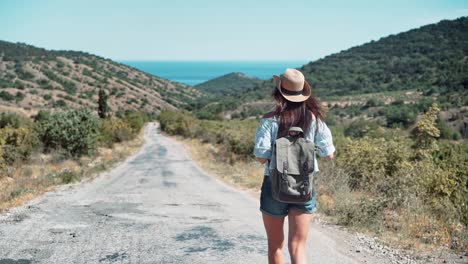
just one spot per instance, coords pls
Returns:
(234, 137)
(30, 166)
(6, 96)
(230, 84)
(28, 68)
(427, 62)
(103, 108)
(401, 167)
(386, 180)
(429, 58)
(73, 133)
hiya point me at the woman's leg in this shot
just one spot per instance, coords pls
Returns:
(275, 235)
(299, 223)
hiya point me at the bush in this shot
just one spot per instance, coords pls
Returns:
(361, 128)
(364, 211)
(175, 123)
(136, 120)
(373, 163)
(67, 176)
(60, 103)
(14, 120)
(395, 174)
(17, 144)
(397, 115)
(373, 102)
(234, 137)
(115, 130)
(42, 115)
(6, 96)
(74, 131)
(47, 97)
(19, 96)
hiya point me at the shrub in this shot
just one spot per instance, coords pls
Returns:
(17, 144)
(67, 176)
(14, 120)
(234, 137)
(136, 120)
(175, 123)
(361, 128)
(396, 115)
(6, 96)
(19, 96)
(373, 102)
(60, 103)
(374, 164)
(42, 115)
(115, 130)
(74, 131)
(364, 211)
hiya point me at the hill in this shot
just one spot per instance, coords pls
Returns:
(431, 59)
(230, 84)
(390, 80)
(35, 78)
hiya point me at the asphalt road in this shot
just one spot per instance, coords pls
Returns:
(156, 207)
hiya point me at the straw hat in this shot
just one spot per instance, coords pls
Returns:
(292, 85)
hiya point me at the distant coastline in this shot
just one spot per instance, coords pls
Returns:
(196, 72)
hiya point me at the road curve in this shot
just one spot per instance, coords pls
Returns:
(155, 207)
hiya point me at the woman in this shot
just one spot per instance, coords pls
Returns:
(295, 106)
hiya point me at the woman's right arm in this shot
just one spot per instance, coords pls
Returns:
(262, 145)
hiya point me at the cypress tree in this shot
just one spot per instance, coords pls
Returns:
(102, 104)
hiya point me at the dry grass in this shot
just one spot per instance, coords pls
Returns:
(412, 228)
(414, 231)
(44, 172)
(245, 174)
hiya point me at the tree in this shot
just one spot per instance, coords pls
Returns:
(425, 132)
(102, 104)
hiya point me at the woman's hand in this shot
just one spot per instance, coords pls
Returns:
(330, 157)
(262, 160)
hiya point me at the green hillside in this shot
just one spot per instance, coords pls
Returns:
(230, 84)
(390, 81)
(431, 59)
(33, 78)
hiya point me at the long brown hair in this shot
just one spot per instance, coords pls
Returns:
(296, 113)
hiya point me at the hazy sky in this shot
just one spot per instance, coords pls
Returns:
(300, 30)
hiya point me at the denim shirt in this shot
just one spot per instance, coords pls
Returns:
(265, 137)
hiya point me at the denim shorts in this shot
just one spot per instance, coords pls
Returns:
(272, 207)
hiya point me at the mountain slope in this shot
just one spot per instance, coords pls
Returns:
(432, 60)
(432, 57)
(415, 67)
(35, 78)
(229, 84)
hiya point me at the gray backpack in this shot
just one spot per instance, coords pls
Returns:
(291, 168)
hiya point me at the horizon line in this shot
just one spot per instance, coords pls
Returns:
(210, 60)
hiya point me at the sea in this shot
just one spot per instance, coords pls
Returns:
(196, 72)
